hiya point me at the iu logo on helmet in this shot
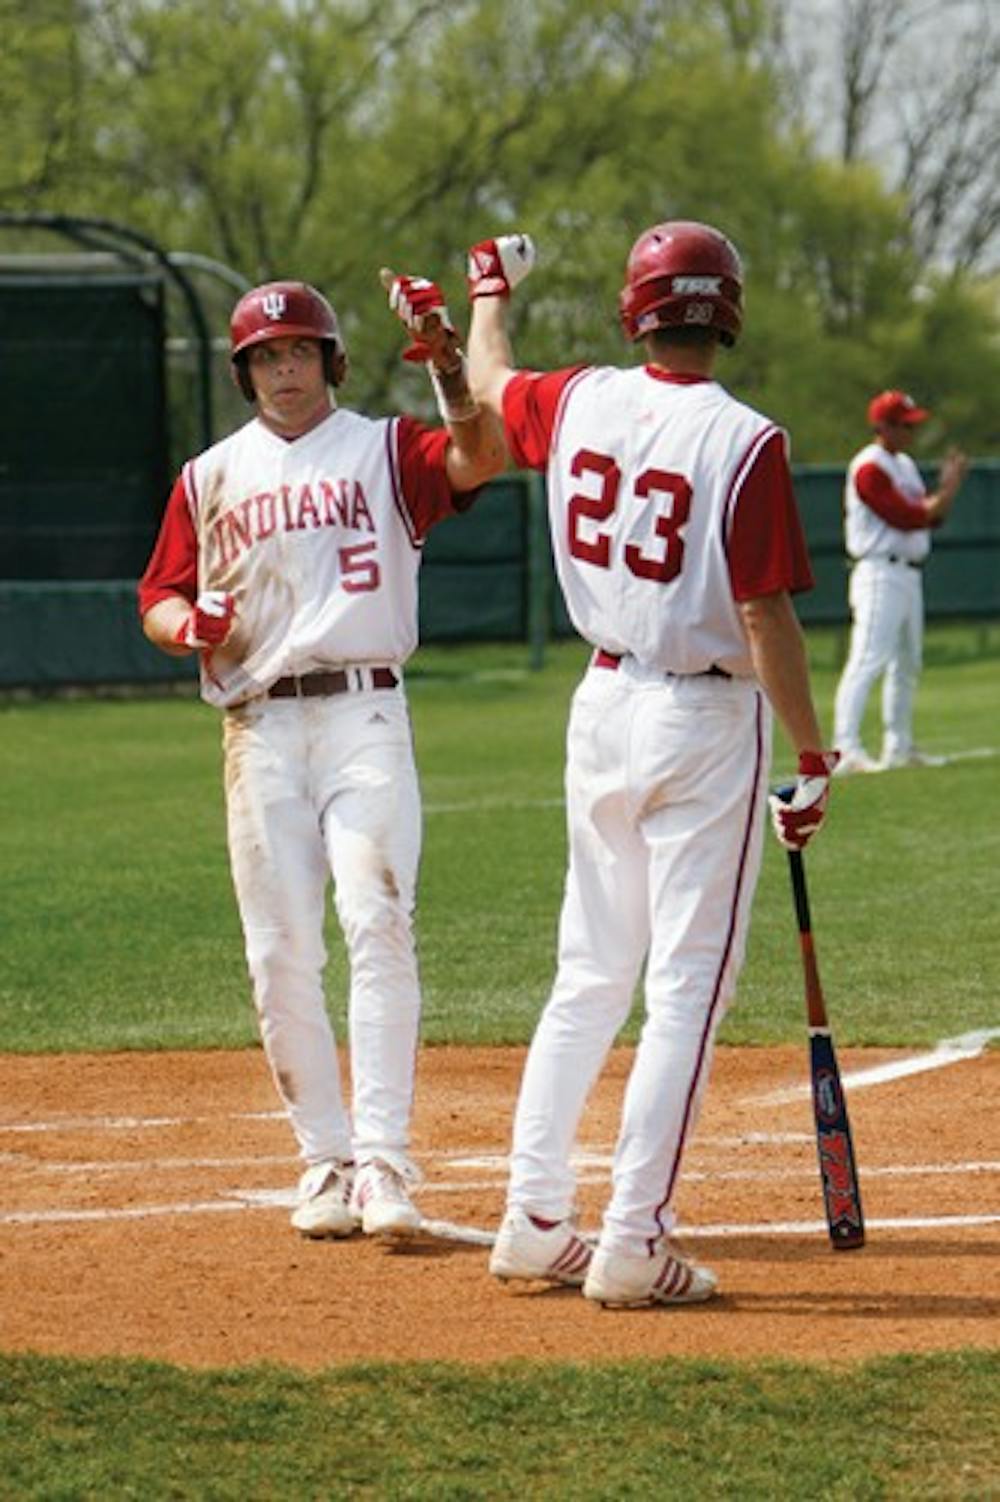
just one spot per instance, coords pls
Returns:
(274, 305)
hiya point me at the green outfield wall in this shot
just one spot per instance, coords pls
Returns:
(487, 576)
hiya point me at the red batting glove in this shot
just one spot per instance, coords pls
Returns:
(209, 620)
(420, 307)
(496, 266)
(797, 818)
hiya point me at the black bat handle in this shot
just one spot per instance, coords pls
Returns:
(798, 871)
(796, 866)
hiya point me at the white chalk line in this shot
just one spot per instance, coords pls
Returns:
(491, 805)
(948, 1051)
(444, 1230)
(140, 1165)
(945, 1053)
(487, 805)
(285, 1199)
(476, 1236)
(131, 1123)
(489, 1162)
(974, 753)
(498, 1163)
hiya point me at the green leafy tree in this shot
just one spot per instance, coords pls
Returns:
(41, 86)
(325, 138)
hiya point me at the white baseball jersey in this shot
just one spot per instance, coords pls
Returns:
(869, 535)
(646, 474)
(315, 539)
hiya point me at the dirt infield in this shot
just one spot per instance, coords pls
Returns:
(143, 1212)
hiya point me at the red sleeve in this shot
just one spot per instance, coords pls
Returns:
(530, 404)
(427, 491)
(173, 566)
(767, 547)
(880, 495)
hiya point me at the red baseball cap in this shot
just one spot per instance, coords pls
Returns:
(895, 406)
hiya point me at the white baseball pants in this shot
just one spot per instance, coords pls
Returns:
(316, 787)
(887, 609)
(665, 791)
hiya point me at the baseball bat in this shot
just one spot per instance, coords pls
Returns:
(837, 1168)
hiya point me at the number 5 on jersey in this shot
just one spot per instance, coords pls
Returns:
(358, 571)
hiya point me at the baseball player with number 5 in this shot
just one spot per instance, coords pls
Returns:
(288, 559)
(677, 543)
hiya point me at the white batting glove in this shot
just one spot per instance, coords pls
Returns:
(797, 813)
(420, 306)
(209, 620)
(496, 266)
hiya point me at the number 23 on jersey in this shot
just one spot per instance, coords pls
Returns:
(590, 544)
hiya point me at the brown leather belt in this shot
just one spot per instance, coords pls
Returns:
(886, 558)
(337, 681)
(603, 659)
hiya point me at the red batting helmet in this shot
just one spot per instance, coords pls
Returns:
(281, 310)
(682, 274)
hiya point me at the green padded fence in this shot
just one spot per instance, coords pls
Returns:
(81, 470)
(963, 575)
(486, 576)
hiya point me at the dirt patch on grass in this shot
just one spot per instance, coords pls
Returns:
(145, 1198)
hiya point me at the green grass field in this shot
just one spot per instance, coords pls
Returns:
(646, 1431)
(120, 931)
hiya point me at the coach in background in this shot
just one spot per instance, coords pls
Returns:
(677, 543)
(288, 559)
(888, 517)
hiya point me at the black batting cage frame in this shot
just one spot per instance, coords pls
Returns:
(85, 437)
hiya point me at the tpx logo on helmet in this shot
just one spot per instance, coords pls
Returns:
(697, 286)
(274, 305)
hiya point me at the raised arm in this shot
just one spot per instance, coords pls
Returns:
(939, 502)
(494, 268)
(476, 451)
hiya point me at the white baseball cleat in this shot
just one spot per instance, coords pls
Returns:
(619, 1281)
(524, 1250)
(380, 1204)
(324, 1201)
(856, 760)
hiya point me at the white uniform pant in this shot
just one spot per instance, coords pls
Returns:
(887, 609)
(665, 788)
(316, 787)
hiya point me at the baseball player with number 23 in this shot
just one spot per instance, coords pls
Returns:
(287, 559)
(678, 544)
